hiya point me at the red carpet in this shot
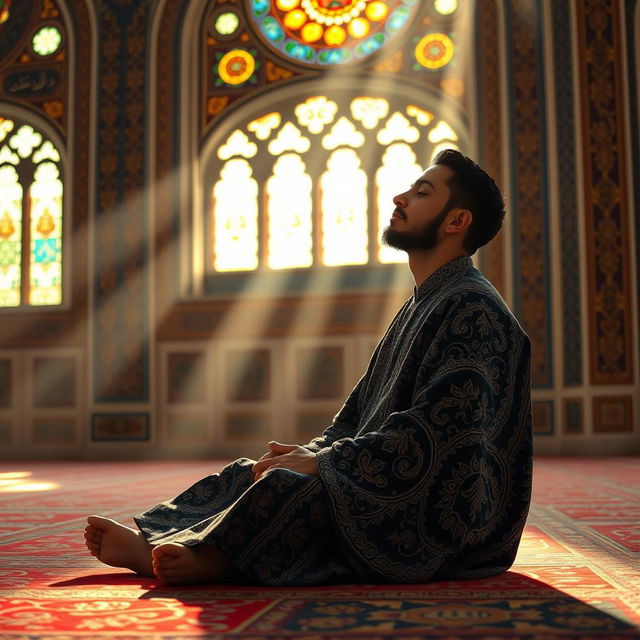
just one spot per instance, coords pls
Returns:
(577, 574)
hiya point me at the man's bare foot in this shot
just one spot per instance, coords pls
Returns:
(118, 545)
(175, 563)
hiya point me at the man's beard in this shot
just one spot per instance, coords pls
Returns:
(425, 238)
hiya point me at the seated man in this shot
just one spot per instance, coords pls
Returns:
(425, 473)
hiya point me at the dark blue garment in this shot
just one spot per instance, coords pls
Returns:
(425, 472)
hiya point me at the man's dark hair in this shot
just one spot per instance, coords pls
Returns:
(473, 189)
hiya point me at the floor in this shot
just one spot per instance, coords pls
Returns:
(577, 573)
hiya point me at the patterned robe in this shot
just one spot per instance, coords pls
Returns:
(425, 473)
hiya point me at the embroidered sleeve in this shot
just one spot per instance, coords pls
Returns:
(450, 472)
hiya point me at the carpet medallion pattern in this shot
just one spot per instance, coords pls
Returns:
(576, 575)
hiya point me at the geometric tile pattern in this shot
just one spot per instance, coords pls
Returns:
(120, 288)
(567, 200)
(575, 574)
(529, 206)
(487, 33)
(605, 188)
(631, 7)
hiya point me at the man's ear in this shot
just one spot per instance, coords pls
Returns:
(458, 220)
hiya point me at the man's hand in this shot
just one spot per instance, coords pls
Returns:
(286, 456)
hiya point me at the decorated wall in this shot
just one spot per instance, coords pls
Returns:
(192, 195)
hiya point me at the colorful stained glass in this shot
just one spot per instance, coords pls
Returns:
(226, 24)
(377, 11)
(235, 218)
(276, 221)
(445, 7)
(47, 41)
(236, 67)
(289, 214)
(358, 28)
(344, 206)
(45, 269)
(5, 6)
(398, 165)
(36, 270)
(434, 51)
(11, 195)
(330, 32)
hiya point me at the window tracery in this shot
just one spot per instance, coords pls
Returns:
(294, 220)
(31, 217)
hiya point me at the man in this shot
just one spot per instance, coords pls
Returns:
(425, 473)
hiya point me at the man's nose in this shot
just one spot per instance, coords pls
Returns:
(400, 200)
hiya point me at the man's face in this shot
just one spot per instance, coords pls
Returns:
(420, 211)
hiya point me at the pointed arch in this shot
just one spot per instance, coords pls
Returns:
(334, 132)
(64, 121)
(33, 225)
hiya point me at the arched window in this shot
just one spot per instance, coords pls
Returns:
(311, 184)
(35, 54)
(31, 217)
(314, 115)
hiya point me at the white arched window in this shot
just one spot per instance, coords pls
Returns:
(310, 185)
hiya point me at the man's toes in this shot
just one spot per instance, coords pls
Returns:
(170, 577)
(164, 574)
(95, 522)
(100, 524)
(164, 564)
(167, 553)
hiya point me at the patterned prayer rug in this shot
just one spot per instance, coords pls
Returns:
(576, 575)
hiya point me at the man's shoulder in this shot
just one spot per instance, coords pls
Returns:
(473, 291)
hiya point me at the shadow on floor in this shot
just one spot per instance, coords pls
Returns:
(510, 605)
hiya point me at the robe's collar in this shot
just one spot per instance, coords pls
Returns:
(445, 272)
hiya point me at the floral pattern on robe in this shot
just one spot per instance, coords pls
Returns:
(425, 473)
